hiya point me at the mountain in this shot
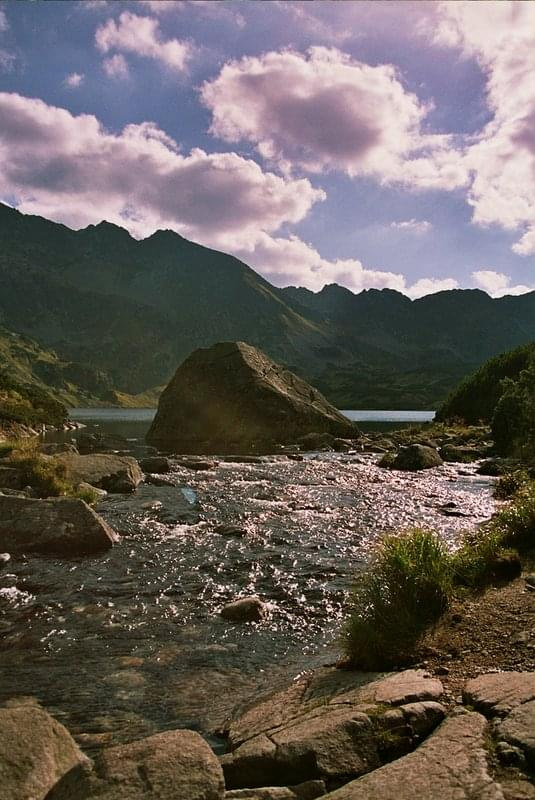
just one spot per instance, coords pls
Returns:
(133, 310)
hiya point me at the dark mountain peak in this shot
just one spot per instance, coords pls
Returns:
(107, 229)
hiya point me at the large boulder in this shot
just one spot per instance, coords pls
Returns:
(105, 471)
(231, 397)
(60, 525)
(166, 766)
(35, 752)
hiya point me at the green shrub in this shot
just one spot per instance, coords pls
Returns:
(405, 589)
(516, 522)
(482, 559)
(508, 484)
(46, 476)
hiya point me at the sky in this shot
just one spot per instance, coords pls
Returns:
(371, 144)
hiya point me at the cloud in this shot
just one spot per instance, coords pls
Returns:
(74, 80)
(326, 111)
(501, 37)
(141, 35)
(207, 8)
(4, 24)
(116, 66)
(290, 261)
(417, 226)
(69, 168)
(497, 284)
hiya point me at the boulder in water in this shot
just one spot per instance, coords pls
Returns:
(415, 457)
(232, 398)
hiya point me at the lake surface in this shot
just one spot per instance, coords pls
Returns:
(131, 642)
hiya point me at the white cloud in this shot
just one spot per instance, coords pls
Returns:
(69, 168)
(74, 80)
(417, 226)
(208, 8)
(141, 35)
(290, 261)
(116, 66)
(498, 284)
(4, 25)
(326, 111)
(501, 36)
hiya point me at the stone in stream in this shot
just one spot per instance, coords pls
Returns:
(35, 752)
(117, 474)
(245, 609)
(232, 398)
(155, 464)
(61, 526)
(414, 457)
(175, 765)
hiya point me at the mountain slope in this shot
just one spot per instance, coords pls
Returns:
(135, 309)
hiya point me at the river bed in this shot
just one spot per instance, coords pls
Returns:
(131, 642)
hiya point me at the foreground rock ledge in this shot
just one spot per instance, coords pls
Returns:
(167, 766)
(59, 526)
(231, 397)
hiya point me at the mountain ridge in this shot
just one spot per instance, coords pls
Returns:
(134, 309)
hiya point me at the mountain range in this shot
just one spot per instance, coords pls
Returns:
(117, 315)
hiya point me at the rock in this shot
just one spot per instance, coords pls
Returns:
(343, 445)
(330, 726)
(166, 766)
(518, 729)
(245, 609)
(317, 441)
(303, 791)
(87, 487)
(11, 478)
(416, 457)
(529, 580)
(170, 505)
(498, 693)
(197, 464)
(5, 558)
(231, 530)
(451, 764)
(232, 398)
(110, 472)
(460, 454)
(157, 464)
(101, 443)
(35, 752)
(53, 448)
(62, 526)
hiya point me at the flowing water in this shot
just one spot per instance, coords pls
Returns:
(131, 642)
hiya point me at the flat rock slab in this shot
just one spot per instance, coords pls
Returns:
(60, 526)
(497, 693)
(106, 471)
(35, 752)
(304, 791)
(166, 766)
(451, 765)
(331, 727)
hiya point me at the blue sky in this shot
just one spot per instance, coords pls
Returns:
(367, 143)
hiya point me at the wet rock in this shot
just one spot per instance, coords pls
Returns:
(416, 457)
(230, 530)
(498, 693)
(35, 752)
(101, 443)
(452, 763)
(5, 558)
(518, 730)
(245, 609)
(98, 493)
(155, 464)
(110, 472)
(232, 398)
(317, 441)
(166, 766)
(168, 504)
(62, 526)
(343, 445)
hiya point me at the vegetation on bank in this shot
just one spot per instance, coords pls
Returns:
(412, 580)
(46, 476)
(28, 404)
